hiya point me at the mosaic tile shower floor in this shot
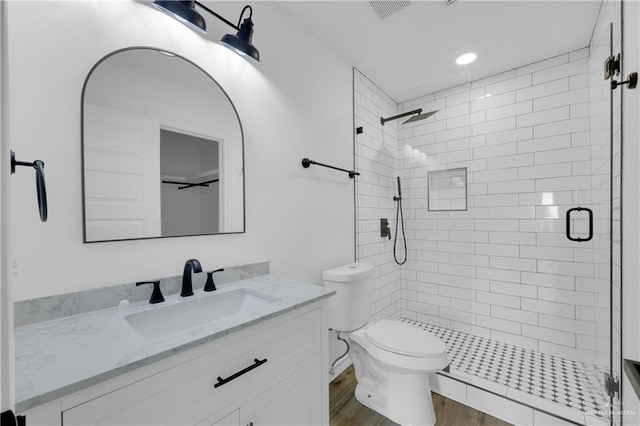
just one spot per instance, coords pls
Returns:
(573, 384)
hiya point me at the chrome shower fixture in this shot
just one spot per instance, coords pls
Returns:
(419, 116)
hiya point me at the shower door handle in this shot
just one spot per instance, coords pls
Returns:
(568, 220)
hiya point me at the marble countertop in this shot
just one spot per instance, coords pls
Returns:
(56, 358)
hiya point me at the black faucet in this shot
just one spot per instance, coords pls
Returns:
(189, 266)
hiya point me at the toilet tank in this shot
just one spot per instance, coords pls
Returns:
(349, 308)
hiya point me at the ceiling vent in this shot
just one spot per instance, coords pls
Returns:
(384, 9)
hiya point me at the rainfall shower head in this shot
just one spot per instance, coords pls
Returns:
(419, 116)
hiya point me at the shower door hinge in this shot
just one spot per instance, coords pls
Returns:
(611, 384)
(611, 66)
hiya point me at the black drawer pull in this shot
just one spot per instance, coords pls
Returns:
(568, 223)
(257, 363)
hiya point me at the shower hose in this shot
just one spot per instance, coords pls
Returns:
(404, 237)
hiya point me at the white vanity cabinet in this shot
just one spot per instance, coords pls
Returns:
(272, 373)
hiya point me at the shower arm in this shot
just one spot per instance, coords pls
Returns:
(404, 114)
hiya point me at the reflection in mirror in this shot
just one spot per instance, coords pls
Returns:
(162, 150)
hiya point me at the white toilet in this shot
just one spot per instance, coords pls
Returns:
(391, 358)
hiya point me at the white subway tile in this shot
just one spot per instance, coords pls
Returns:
(427, 128)
(515, 186)
(561, 127)
(509, 85)
(459, 270)
(447, 135)
(525, 317)
(507, 136)
(545, 116)
(571, 68)
(511, 110)
(544, 171)
(422, 308)
(495, 150)
(450, 111)
(454, 315)
(570, 97)
(458, 98)
(565, 296)
(499, 324)
(563, 184)
(569, 325)
(521, 212)
(506, 250)
(544, 252)
(563, 155)
(580, 81)
(514, 289)
(498, 275)
(455, 292)
(495, 175)
(546, 307)
(546, 198)
(494, 126)
(495, 200)
(565, 268)
(456, 122)
(493, 101)
(497, 225)
(542, 225)
(545, 89)
(433, 299)
(527, 238)
(549, 335)
(540, 65)
(479, 284)
(579, 110)
(512, 263)
(460, 88)
(483, 82)
(545, 144)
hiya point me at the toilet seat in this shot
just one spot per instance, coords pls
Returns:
(404, 339)
(388, 351)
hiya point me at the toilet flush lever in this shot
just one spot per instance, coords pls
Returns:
(384, 228)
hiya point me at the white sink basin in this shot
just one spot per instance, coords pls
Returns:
(161, 322)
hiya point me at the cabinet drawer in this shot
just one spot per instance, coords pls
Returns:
(185, 394)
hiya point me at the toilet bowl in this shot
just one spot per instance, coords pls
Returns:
(391, 359)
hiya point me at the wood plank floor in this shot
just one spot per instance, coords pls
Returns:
(345, 410)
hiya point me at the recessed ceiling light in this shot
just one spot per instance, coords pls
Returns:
(465, 59)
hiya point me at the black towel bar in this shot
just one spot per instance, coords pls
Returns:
(306, 163)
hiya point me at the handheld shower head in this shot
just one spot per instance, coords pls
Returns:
(399, 189)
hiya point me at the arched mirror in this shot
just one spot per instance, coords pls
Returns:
(162, 150)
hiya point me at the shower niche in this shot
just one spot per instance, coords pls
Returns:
(448, 189)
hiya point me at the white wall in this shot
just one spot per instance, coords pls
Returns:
(377, 158)
(296, 103)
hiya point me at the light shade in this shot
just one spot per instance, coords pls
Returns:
(183, 11)
(241, 42)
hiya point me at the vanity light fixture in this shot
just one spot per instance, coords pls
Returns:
(185, 12)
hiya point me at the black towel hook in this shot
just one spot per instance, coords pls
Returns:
(41, 188)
